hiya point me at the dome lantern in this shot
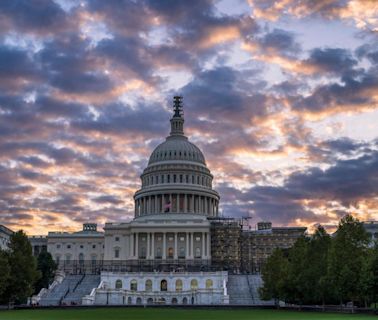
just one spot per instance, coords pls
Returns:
(177, 121)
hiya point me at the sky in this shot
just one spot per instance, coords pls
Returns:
(281, 96)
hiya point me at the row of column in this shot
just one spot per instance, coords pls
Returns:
(176, 203)
(193, 248)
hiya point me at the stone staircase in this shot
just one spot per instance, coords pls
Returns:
(244, 290)
(255, 283)
(83, 287)
(238, 290)
(55, 296)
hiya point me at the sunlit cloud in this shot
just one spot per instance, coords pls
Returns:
(287, 126)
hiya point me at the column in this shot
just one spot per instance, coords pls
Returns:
(156, 204)
(137, 245)
(178, 203)
(162, 203)
(175, 253)
(170, 201)
(135, 208)
(191, 245)
(185, 203)
(150, 204)
(208, 246)
(192, 201)
(216, 210)
(164, 247)
(148, 246)
(187, 245)
(153, 246)
(131, 252)
(203, 245)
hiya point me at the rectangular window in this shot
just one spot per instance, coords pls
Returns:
(116, 238)
(116, 253)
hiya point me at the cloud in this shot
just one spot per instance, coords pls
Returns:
(362, 13)
(41, 17)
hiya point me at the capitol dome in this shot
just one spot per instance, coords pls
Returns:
(177, 148)
(176, 179)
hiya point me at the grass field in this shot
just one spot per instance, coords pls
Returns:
(171, 314)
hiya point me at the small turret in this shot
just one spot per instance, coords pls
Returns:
(177, 121)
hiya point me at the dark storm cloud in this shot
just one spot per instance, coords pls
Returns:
(368, 51)
(107, 199)
(334, 60)
(280, 40)
(329, 151)
(124, 17)
(346, 182)
(39, 16)
(47, 106)
(131, 53)
(217, 92)
(118, 118)
(354, 92)
(34, 161)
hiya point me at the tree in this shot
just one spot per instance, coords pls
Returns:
(295, 285)
(274, 274)
(315, 268)
(47, 267)
(4, 271)
(374, 273)
(347, 253)
(366, 281)
(23, 269)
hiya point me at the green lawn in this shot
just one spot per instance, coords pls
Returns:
(170, 314)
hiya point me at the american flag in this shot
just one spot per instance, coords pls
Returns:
(167, 207)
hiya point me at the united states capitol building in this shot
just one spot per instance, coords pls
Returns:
(176, 250)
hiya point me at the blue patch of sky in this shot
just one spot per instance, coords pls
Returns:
(312, 32)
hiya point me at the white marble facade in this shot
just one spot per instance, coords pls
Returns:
(160, 288)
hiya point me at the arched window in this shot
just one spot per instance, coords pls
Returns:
(174, 300)
(158, 253)
(116, 252)
(118, 284)
(148, 285)
(170, 252)
(185, 301)
(150, 301)
(178, 285)
(209, 284)
(68, 258)
(133, 285)
(139, 300)
(163, 285)
(194, 284)
(129, 300)
(57, 259)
